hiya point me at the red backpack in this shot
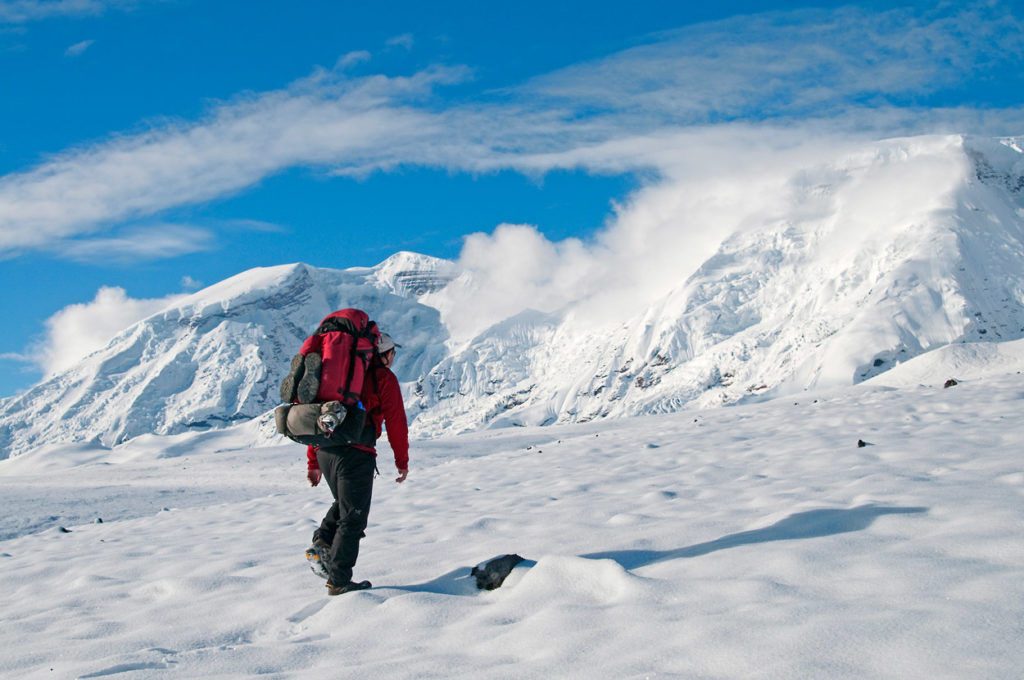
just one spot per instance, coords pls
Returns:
(329, 371)
(332, 363)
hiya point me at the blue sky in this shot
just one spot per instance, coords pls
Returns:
(148, 147)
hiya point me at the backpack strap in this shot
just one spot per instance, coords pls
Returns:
(376, 385)
(369, 435)
(366, 333)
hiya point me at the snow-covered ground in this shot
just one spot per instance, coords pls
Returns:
(757, 541)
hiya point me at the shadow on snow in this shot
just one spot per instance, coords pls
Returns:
(800, 525)
(810, 524)
(456, 582)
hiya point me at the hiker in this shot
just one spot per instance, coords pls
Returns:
(349, 471)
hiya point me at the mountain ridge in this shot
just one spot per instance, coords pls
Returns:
(864, 261)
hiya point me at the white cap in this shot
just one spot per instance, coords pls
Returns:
(386, 344)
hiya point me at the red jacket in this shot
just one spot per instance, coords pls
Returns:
(382, 399)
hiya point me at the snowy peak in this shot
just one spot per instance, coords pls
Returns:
(415, 275)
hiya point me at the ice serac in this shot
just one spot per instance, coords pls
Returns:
(862, 260)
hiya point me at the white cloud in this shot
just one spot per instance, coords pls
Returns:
(715, 181)
(25, 11)
(152, 242)
(189, 283)
(80, 329)
(808, 62)
(725, 186)
(352, 58)
(632, 110)
(315, 123)
(78, 48)
(404, 41)
(512, 269)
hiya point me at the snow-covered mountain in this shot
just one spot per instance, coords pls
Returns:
(860, 270)
(217, 357)
(882, 253)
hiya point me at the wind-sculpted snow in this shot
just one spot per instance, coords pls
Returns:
(858, 263)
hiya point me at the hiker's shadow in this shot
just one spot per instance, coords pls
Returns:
(810, 524)
(456, 582)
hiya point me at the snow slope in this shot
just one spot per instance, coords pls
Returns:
(754, 541)
(822, 272)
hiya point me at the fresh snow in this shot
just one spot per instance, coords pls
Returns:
(846, 517)
(754, 541)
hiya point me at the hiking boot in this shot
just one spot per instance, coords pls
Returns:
(292, 379)
(309, 385)
(347, 587)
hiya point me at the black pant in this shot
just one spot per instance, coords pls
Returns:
(349, 474)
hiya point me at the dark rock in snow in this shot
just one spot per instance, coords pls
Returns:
(492, 573)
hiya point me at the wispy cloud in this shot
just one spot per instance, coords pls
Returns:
(802, 63)
(78, 48)
(316, 122)
(252, 225)
(352, 58)
(404, 41)
(804, 73)
(26, 11)
(152, 242)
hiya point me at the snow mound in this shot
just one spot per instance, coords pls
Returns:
(562, 580)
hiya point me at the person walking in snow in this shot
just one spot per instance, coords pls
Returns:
(349, 472)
